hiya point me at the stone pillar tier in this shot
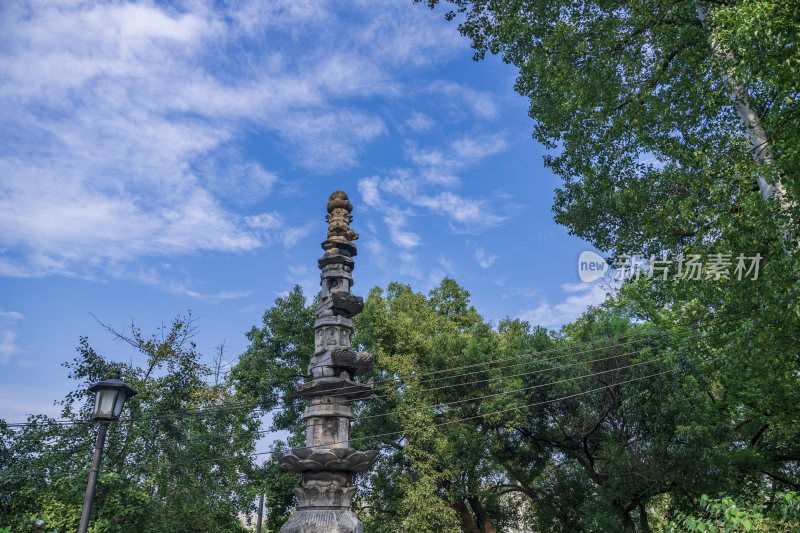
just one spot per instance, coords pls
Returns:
(328, 462)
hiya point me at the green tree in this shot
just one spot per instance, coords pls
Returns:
(175, 462)
(724, 515)
(411, 333)
(268, 373)
(642, 104)
(626, 455)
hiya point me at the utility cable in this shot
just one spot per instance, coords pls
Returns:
(235, 406)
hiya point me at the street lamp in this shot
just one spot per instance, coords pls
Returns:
(110, 396)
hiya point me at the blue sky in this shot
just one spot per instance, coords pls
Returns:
(156, 158)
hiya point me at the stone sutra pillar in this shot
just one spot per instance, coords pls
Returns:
(328, 462)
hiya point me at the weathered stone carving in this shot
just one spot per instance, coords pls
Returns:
(346, 459)
(328, 462)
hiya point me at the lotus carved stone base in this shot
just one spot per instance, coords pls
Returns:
(347, 459)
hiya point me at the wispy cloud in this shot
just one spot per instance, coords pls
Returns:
(396, 221)
(212, 297)
(439, 165)
(485, 260)
(419, 121)
(448, 266)
(470, 149)
(406, 193)
(479, 103)
(307, 278)
(19, 401)
(368, 188)
(10, 316)
(471, 214)
(290, 236)
(121, 120)
(579, 297)
(330, 141)
(8, 333)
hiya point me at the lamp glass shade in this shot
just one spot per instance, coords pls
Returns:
(104, 405)
(119, 402)
(110, 397)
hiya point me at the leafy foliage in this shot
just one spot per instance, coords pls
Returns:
(635, 100)
(160, 472)
(725, 515)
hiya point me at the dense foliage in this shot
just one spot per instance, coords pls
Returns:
(174, 463)
(642, 105)
(609, 424)
(674, 407)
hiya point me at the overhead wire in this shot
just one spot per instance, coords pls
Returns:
(538, 371)
(440, 405)
(222, 408)
(380, 435)
(495, 378)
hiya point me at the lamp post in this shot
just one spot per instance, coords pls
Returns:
(260, 512)
(110, 396)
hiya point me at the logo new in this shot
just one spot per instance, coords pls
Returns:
(591, 266)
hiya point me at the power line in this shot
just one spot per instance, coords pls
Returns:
(561, 367)
(235, 406)
(616, 356)
(551, 350)
(496, 378)
(391, 433)
(436, 406)
(537, 386)
(562, 356)
(501, 411)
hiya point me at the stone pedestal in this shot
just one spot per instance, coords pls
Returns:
(328, 462)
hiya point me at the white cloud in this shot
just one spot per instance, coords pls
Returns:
(409, 265)
(119, 119)
(233, 179)
(393, 261)
(404, 239)
(473, 149)
(307, 279)
(10, 316)
(473, 215)
(396, 221)
(479, 103)
(292, 235)
(271, 227)
(8, 344)
(368, 188)
(264, 221)
(448, 266)
(429, 157)
(485, 260)
(8, 334)
(419, 121)
(465, 215)
(439, 164)
(376, 252)
(330, 141)
(212, 297)
(580, 296)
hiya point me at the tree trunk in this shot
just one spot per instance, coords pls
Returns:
(645, 526)
(486, 523)
(625, 516)
(759, 143)
(466, 517)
